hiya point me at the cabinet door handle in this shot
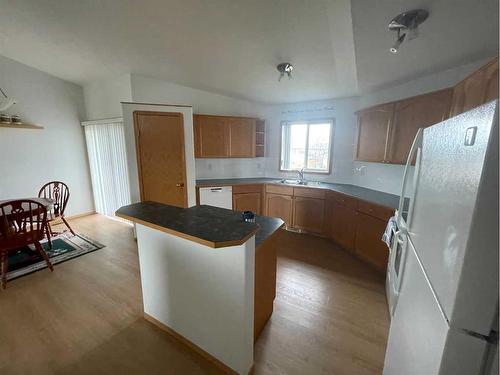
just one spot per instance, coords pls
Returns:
(179, 185)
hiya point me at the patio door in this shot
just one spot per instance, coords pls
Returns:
(108, 164)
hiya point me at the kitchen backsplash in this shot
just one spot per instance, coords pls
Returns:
(230, 168)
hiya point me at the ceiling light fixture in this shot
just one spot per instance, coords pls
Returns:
(284, 68)
(408, 22)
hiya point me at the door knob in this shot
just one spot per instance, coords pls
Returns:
(179, 185)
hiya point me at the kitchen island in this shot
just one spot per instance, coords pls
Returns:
(208, 278)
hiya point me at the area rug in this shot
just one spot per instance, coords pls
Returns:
(65, 246)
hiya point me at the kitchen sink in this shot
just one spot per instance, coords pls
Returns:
(292, 182)
(298, 182)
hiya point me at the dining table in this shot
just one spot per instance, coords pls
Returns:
(46, 202)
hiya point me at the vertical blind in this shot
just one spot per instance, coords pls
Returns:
(108, 165)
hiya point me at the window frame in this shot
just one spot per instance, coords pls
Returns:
(330, 142)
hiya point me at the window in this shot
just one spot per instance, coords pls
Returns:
(306, 145)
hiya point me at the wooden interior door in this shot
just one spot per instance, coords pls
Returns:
(242, 137)
(373, 131)
(410, 115)
(211, 136)
(159, 138)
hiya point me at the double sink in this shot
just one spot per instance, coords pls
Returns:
(298, 182)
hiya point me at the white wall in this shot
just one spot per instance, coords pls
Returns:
(128, 123)
(103, 98)
(388, 177)
(204, 294)
(371, 175)
(152, 90)
(341, 110)
(30, 158)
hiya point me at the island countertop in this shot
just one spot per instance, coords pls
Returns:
(208, 225)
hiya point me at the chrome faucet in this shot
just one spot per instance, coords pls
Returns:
(302, 180)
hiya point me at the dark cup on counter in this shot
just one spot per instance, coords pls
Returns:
(248, 216)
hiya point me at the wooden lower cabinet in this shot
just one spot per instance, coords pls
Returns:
(340, 224)
(247, 202)
(368, 244)
(248, 198)
(308, 214)
(264, 283)
(278, 205)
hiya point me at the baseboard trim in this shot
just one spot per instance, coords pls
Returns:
(184, 341)
(79, 215)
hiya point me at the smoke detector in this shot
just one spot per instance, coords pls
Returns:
(405, 24)
(285, 68)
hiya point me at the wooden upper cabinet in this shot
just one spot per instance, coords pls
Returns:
(410, 115)
(372, 132)
(385, 132)
(478, 88)
(242, 137)
(211, 136)
(225, 136)
(491, 81)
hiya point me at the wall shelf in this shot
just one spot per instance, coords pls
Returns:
(20, 125)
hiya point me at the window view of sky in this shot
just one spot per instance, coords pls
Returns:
(306, 146)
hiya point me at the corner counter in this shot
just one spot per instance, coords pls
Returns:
(208, 278)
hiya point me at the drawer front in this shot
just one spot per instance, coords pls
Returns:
(254, 188)
(381, 212)
(309, 193)
(342, 199)
(277, 189)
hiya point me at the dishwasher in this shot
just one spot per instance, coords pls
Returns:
(217, 196)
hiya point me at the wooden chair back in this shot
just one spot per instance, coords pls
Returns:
(22, 222)
(59, 192)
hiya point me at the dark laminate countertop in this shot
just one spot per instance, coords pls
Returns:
(211, 226)
(369, 195)
(234, 181)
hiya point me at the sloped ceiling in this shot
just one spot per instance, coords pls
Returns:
(233, 46)
(457, 32)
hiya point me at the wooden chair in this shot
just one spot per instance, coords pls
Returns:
(59, 192)
(22, 223)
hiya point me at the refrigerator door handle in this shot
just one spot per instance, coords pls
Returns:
(401, 238)
(414, 147)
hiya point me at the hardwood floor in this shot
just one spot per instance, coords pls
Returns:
(330, 314)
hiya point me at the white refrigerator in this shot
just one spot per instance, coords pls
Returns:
(445, 319)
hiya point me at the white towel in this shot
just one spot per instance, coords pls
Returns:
(387, 236)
